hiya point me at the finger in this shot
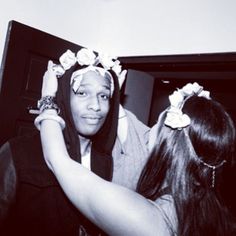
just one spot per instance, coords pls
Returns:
(50, 65)
(122, 77)
(58, 70)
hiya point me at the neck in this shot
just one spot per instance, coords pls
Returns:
(85, 145)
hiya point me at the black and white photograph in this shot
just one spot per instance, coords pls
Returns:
(118, 118)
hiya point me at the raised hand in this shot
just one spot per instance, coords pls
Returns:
(50, 83)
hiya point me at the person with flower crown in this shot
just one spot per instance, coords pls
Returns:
(105, 138)
(178, 190)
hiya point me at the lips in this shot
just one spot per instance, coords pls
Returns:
(91, 119)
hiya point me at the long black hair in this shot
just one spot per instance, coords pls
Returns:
(177, 162)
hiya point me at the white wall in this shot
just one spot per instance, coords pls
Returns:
(75, 20)
(150, 27)
(130, 27)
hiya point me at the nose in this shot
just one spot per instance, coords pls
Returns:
(94, 103)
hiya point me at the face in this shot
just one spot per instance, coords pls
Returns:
(90, 104)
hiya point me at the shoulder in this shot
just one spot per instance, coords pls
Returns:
(26, 152)
(22, 151)
(29, 143)
(131, 116)
(26, 155)
(165, 206)
(138, 127)
(6, 162)
(7, 180)
(4, 150)
(25, 139)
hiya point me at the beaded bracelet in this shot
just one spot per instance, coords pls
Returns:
(42, 116)
(47, 102)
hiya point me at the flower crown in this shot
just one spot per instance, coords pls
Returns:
(175, 117)
(86, 57)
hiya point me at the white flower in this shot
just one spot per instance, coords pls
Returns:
(177, 120)
(106, 61)
(86, 57)
(176, 99)
(67, 59)
(175, 117)
(59, 70)
(204, 93)
(190, 89)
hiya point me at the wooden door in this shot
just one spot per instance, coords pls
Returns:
(27, 51)
(138, 94)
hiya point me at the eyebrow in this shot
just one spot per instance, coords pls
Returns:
(104, 86)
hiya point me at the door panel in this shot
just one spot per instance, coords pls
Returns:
(138, 94)
(27, 51)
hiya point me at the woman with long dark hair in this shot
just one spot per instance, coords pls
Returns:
(177, 193)
(186, 164)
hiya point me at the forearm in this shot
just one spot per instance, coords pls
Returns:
(52, 140)
(115, 209)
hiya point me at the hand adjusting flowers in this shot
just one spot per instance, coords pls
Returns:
(47, 104)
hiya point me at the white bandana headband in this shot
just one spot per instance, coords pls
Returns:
(77, 77)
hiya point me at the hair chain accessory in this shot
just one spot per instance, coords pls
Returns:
(213, 170)
(175, 117)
